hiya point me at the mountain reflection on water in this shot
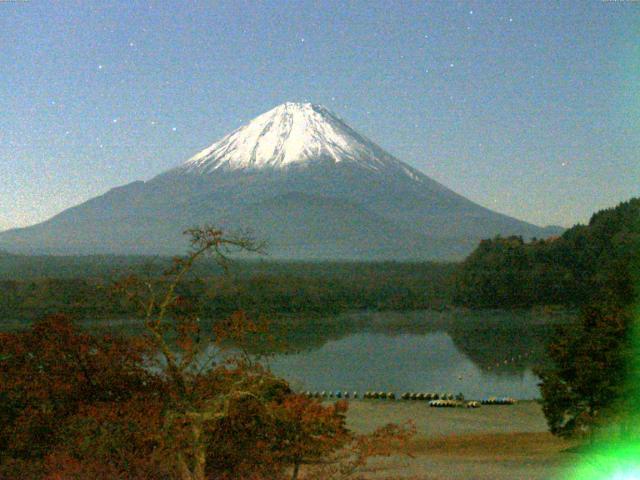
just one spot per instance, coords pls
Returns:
(477, 353)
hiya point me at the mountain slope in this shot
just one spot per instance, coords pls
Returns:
(302, 179)
(300, 225)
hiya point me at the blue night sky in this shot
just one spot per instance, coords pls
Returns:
(529, 108)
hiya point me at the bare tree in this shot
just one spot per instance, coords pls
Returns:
(176, 333)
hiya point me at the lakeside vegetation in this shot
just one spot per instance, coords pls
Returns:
(83, 286)
(75, 404)
(591, 382)
(501, 273)
(586, 261)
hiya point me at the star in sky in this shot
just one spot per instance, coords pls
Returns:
(440, 96)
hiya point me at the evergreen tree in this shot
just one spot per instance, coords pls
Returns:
(594, 379)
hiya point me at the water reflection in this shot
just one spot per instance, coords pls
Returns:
(406, 362)
(476, 353)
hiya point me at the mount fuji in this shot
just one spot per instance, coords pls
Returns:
(298, 177)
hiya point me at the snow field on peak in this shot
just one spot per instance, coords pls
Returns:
(291, 133)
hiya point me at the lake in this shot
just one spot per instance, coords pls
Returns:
(477, 353)
(429, 362)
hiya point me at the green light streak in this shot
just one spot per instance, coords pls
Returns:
(613, 461)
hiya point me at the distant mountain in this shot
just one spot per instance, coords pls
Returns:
(302, 180)
(553, 231)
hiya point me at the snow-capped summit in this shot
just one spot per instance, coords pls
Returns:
(292, 134)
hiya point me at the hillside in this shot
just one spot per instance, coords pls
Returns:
(584, 262)
(300, 178)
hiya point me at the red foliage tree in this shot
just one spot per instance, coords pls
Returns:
(51, 372)
(306, 432)
(75, 405)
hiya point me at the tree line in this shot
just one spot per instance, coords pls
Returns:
(295, 288)
(566, 270)
(593, 377)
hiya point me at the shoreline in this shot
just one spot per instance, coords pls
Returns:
(492, 442)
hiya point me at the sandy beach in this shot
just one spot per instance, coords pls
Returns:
(492, 442)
